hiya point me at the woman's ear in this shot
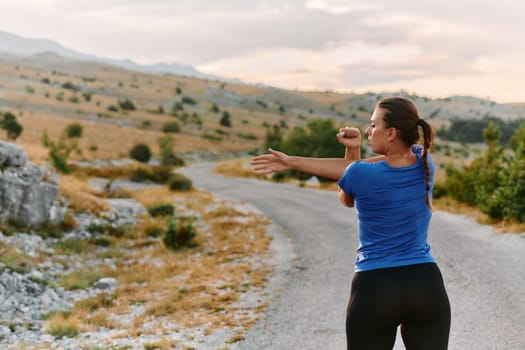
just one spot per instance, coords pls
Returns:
(392, 134)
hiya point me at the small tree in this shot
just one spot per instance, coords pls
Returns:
(189, 100)
(140, 152)
(59, 151)
(69, 86)
(161, 210)
(126, 105)
(74, 130)
(226, 119)
(171, 127)
(178, 234)
(214, 108)
(12, 127)
(167, 156)
(178, 182)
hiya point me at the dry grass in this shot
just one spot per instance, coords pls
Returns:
(238, 168)
(81, 197)
(456, 207)
(15, 260)
(199, 286)
(60, 325)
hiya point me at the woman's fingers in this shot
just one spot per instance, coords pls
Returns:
(269, 163)
(263, 159)
(349, 132)
(263, 170)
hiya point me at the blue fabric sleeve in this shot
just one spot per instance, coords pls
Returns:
(349, 182)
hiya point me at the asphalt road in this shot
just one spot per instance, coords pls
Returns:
(484, 272)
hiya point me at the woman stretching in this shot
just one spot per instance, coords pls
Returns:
(396, 281)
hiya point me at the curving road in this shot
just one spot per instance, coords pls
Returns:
(484, 272)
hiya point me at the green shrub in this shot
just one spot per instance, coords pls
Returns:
(157, 174)
(161, 210)
(154, 232)
(126, 105)
(69, 86)
(493, 182)
(110, 230)
(12, 127)
(100, 241)
(214, 108)
(167, 156)
(59, 151)
(74, 130)
(178, 234)
(189, 100)
(226, 119)
(178, 182)
(171, 127)
(87, 96)
(73, 99)
(140, 152)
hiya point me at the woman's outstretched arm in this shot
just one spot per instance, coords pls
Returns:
(331, 168)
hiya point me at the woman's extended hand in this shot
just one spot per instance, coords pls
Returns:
(349, 137)
(272, 162)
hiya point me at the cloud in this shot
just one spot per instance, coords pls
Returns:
(303, 43)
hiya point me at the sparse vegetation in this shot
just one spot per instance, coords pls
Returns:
(74, 130)
(493, 182)
(126, 105)
(140, 152)
(226, 119)
(59, 151)
(178, 182)
(11, 125)
(178, 234)
(172, 127)
(167, 156)
(161, 210)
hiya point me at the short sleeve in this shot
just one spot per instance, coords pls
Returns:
(351, 178)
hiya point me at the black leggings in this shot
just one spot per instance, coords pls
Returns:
(412, 296)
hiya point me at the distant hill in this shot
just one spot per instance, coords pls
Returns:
(43, 51)
(16, 45)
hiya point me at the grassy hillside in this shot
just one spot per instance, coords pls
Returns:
(47, 92)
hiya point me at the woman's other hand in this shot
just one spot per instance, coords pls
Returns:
(272, 162)
(349, 137)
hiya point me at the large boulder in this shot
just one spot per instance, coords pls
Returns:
(26, 193)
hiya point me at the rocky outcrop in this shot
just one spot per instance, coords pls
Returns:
(27, 193)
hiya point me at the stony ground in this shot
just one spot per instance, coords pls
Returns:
(28, 295)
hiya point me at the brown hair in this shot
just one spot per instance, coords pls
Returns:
(402, 114)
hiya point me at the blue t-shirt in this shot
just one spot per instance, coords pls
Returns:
(392, 213)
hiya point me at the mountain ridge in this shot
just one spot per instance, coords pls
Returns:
(16, 45)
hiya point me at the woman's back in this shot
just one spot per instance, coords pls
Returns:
(392, 212)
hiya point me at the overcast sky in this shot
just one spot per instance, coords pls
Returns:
(434, 48)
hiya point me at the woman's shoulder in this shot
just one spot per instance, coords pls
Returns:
(362, 167)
